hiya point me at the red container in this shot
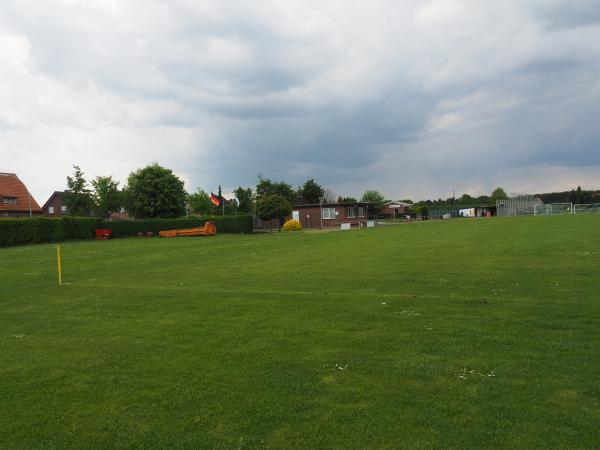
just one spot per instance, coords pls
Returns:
(103, 233)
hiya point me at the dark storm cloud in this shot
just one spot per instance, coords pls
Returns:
(568, 14)
(414, 99)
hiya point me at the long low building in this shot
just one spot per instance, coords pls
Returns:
(318, 215)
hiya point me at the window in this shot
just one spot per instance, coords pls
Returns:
(63, 209)
(361, 211)
(50, 209)
(9, 200)
(350, 213)
(329, 213)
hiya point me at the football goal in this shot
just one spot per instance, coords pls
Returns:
(553, 209)
(586, 208)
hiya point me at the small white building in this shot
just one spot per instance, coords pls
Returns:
(467, 212)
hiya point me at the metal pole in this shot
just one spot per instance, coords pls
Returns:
(58, 263)
(321, 208)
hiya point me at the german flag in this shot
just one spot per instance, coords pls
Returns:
(215, 199)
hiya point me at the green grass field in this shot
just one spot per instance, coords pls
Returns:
(461, 334)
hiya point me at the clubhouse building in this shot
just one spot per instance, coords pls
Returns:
(325, 215)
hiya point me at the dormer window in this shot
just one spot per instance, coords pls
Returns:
(9, 200)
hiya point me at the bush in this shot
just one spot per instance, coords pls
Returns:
(42, 229)
(292, 225)
(225, 224)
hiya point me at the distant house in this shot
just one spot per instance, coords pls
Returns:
(55, 205)
(121, 214)
(316, 215)
(15, 199)
(394, 209)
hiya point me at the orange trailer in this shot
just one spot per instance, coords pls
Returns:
(208, 229)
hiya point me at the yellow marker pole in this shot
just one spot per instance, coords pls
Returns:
(58, 265)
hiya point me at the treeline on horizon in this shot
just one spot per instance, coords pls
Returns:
(156, 192)
(575, 196)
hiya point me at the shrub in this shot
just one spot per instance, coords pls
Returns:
(42, 229)
(292, 225)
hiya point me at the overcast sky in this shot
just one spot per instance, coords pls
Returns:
(413, 98)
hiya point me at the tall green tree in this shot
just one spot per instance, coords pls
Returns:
(200, 202)
(221, 208)
(78, 197)
(245, 199)
(107, 197)
(498, 194)
(375, 199)
(266, 187)
(155, 192)
(466, 199)
(311, 191)
(231, 206)
(578, 195)
(271, 207)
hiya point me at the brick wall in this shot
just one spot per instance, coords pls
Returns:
(310, 216)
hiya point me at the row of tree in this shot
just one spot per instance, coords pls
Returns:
(578, 196)
(156, 192)
(466, 200)
(573, 196)
(150, 192)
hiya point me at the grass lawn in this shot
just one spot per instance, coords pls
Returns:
(475, 333)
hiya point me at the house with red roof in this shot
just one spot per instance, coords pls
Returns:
(15, 199)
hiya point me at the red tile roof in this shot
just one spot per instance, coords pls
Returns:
(11, 186)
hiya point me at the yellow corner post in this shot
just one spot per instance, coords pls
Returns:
(58, 265)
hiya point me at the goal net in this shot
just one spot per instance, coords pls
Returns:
(553, 209)
(587, 208)
(520, 205)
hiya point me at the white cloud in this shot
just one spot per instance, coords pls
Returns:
(413, 98)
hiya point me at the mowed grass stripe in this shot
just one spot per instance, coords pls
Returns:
(459, 334)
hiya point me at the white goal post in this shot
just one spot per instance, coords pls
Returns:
(586, 208)
(553, 209)
(527, 205)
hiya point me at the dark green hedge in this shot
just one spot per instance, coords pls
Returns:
(224, 224)
(42, 229)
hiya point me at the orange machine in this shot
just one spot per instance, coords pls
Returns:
(207, 230)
